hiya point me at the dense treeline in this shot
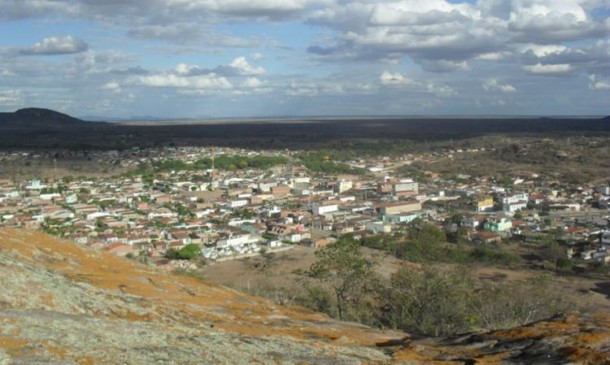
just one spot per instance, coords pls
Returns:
(324, 162)
(426, 243)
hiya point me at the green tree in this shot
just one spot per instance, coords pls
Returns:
(187, 252)
(507, 306)
(429, 302)
(423, 243)
(349, 274)
(563, 264)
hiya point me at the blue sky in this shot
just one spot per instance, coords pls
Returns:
(251, 58)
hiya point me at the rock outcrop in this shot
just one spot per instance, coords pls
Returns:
(64, 304)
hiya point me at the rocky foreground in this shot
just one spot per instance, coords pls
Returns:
(64, 304)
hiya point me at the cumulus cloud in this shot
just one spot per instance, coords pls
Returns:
(394, 79)
(112, 86)
(549, 21)
(209, 82)
(238, 75)
(494, 85)
(252, 83)
(57, 45)
(383, 49)
(548, 69)
(242, 67)
(444, 36)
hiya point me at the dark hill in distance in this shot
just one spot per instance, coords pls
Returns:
(32, 118)
(43, 128)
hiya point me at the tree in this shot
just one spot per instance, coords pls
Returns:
(428, 302)
(563, 264)
(423, 243)
(518, 304)
(350, 275)
(187, 252)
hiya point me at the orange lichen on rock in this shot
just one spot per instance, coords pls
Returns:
(11, 344)
(92, 298)
(184, 296)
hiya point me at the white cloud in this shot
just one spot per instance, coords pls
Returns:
(443, 36)
(494, 85)
(551, 21)
(376, 51)
(210, 82)
(252, 83)
(595, 84)
(112, 86)
(492, 56)
(394, 79)
(548, 69)
(57, 46)
(540, 50)
(242, 67)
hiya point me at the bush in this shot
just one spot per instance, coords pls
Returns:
(428, 302)
(187, 252)
(494, 257)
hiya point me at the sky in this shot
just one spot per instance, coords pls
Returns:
(118, 59)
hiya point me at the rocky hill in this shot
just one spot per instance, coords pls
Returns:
(64, 304)
(39, 118)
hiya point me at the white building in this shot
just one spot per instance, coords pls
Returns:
(319, 209)
(514, 207)
(237, 240)
(514, 198)
(514, 202)
(405, 185)
(344, 185)
(237, 203)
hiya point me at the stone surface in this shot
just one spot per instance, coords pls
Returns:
(64, 304)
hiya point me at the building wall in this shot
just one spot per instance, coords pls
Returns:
(324, 209)
(401, 208)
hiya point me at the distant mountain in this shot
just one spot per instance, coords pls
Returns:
(39, 118)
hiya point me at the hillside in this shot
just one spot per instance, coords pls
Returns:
(39, 118)
(61, 303)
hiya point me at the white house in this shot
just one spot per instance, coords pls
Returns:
(237, 203)
(319, 209)
(237, 240)
(514, 207)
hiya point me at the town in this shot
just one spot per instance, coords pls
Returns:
(222, 203)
